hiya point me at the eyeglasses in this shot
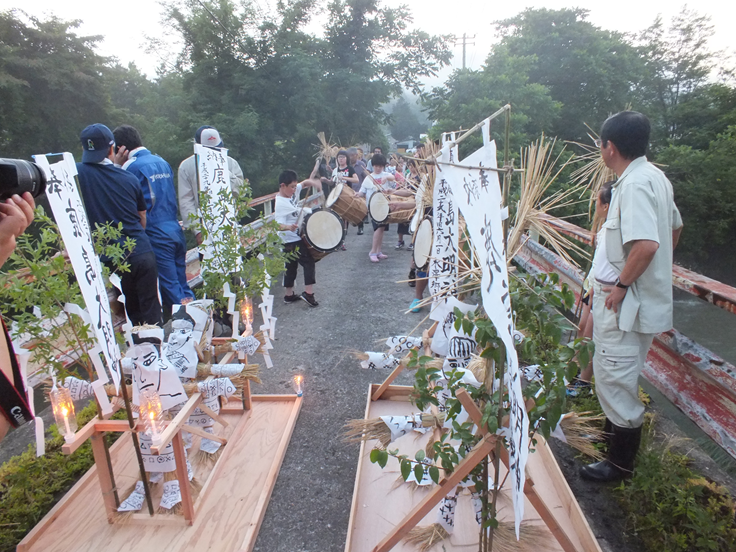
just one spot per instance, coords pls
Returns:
(598, 143)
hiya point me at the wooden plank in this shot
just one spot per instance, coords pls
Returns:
(67, 500)
(214, 415)
(194, 430)
(80, 437)
(358, 471)
(118, 426)
(181, 419)
(222, 518)
(388, 381)
(183, 477)
(255, 525)
(435, 496)
(247, 402)
(103, 475)
(396, 392)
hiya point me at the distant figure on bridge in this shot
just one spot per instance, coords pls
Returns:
(642, 227)
(113, 195)
(188, 185)
(156, 180)
(287, 214)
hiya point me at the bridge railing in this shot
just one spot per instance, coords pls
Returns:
(696, 380)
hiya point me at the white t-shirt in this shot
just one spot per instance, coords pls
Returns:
(603, 271)
(369, 186)
(286, 212)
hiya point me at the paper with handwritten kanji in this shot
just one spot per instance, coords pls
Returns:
(214, 178)
(478, 196)
(443, 262)
(68, 209)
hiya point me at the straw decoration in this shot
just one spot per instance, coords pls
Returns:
(426, 537)
(582, 431)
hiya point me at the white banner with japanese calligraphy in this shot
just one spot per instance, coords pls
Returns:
(66, 204)
(477, 193)
(443, 261)
(214, 178)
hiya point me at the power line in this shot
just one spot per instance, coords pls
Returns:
(464, 42)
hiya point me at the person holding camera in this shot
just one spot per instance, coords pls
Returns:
(16, 214)
(113, 195)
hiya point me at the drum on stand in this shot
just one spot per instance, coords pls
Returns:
(343, 201)
(385, 209)
(322, 233)
(415, 220)
(423, 238)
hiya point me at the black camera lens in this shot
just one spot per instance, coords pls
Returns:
(18, 176)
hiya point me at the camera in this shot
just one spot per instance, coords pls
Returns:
(18, 176)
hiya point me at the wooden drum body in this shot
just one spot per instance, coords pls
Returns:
(423, 243)
(323, 233)
(343, 201)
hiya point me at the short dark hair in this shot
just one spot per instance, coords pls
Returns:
(378, 159)
(287, 177)
(379, 148)
(606, 191)
(629, 131)
(343, 152)
(128, 136)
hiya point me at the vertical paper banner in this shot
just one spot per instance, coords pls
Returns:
(66, 204)
(214, 177)
(444, 259)
(478, 196)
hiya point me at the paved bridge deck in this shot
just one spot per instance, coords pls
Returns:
(359, 303)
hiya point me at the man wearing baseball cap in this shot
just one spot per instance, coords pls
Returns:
(113, 195)
(188, 185)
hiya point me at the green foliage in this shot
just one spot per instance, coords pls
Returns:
(30, 486)
(240, 253)
(42, 277)
(672, 508)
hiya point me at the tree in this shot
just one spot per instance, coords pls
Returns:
(589, 70)
(51, 85)
(404, 121)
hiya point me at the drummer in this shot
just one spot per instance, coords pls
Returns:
(344, 174)
(287, 215)
(379, 181)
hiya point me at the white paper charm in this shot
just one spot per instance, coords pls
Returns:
(134, 502)
(208, 445)
(400, 343)
(217, 387)
(401, 425)
(78, 388)
(247, 345)
(446, 512)
(379, 360)
(172, 494)
(163, 462)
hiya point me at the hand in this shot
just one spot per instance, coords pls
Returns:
(121, 156)
(16, 214)
(615, 297)
(293, 227)
(198, 237)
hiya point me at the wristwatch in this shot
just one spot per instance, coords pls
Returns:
(620, 285)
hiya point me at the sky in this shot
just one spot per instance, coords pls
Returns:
(125, 27)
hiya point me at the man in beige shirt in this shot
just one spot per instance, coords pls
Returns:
(641, 230)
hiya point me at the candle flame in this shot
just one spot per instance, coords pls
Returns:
(64, 411)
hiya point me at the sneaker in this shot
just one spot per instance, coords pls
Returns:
(309, 299)
(414, 307)
(373, 258)
(381, 256)
(412, 278)
(291, 298)
(579, 388)
(360, 231)
(343, 247)
(400, 245)
(411, 247)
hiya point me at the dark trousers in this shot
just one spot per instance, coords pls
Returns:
(140, 286)
(304, 258)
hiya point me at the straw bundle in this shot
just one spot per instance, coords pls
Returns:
(539, 164)
(191, 388)
(532, 538)
(227, 346)
(206, 460)
(426, 537)
(582, 431)
(375, 428)
(250, 371)
(325, 150)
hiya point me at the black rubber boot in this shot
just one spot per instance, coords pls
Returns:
(621, 455)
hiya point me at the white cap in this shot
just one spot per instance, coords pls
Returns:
(210, 137)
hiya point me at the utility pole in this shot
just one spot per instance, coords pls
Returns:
(464, 42)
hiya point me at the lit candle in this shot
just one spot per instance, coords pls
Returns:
(65, 413)
(246, 313)
(297, 381)
(63, 408)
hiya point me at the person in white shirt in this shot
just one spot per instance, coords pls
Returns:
(377, 181)
(287, 215)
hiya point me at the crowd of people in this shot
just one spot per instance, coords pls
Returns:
(630, 296)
